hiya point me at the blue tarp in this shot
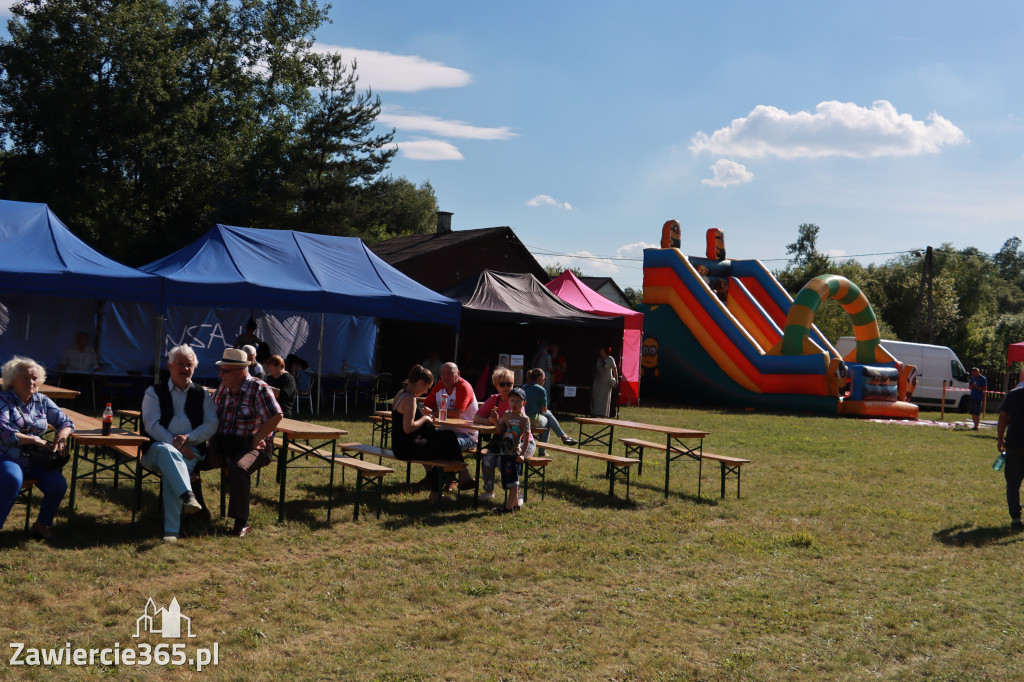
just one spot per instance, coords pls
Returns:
(284, 270)
(41, 256)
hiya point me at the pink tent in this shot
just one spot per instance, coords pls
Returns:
(570, 289)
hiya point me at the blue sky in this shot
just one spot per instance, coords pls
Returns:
(585, 125)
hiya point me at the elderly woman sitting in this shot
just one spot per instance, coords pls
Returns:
(24, 416)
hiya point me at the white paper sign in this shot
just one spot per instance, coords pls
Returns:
(516, 361)
(569, 392)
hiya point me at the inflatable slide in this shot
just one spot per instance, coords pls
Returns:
(726, 332)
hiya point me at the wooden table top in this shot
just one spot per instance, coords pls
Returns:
(296, 429)
(52, 392)
(674, 431)
(89, 431)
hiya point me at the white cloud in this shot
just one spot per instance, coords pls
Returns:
(635, 250)
(428, 150)
(5, 7)
(438, 126)
(588, 263)
(545, 200)
(728, 173)
(834, 129)
(836, 253)
(387, 72)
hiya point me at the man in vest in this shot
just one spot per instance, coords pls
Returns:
(179, 417)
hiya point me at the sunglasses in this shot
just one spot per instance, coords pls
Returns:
(504, 384)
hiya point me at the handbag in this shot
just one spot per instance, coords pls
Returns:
(51, 460)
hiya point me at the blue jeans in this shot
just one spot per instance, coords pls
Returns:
(466, 442)
(547, 420)
(51, 483)
(491, 460)
(175, 474)
(510, 470)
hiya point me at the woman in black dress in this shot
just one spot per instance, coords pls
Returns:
(413, 435)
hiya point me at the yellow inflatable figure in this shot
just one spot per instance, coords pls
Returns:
(671, 234)
(649, 357)
(716, 244)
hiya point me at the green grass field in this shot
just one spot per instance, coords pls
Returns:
(858, 551)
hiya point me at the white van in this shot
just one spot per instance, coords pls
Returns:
(934, 363)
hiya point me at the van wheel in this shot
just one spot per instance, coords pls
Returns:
(965, 404)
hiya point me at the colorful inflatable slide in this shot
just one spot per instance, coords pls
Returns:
(725, 332)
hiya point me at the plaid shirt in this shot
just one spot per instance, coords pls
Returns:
(17, 417)
(242, 413)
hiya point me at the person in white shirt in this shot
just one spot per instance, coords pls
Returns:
(179, 417)
(80, 357)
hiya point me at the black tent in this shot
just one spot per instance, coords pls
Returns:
(511, 313)
(519, 299)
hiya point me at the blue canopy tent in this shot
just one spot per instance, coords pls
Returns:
(239, 267)
(42, 265)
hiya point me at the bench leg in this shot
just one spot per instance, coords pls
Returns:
(359, 491)
(330, 492)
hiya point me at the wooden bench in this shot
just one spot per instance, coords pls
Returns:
(730, 466)
(369, 476)
(618, 467)
(447, 467)
(132, 418)
(381, 424)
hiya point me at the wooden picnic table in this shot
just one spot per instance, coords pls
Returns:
(674, 437)
(88, 434)
(315, 437)
(52, 392)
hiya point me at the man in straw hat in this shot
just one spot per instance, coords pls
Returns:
(247, 413)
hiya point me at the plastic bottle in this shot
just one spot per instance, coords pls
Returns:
(442, 405)
(1000, 461)
(108, 419)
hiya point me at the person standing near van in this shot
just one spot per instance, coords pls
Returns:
(978, 385)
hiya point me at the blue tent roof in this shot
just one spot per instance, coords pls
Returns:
(41, 256)
(285, 270)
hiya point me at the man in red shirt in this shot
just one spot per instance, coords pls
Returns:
(458, 395)
(248, 413)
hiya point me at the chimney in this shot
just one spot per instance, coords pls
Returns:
(444, 222)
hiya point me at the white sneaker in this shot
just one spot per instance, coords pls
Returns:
(191, 505)
(521, 501)
(485, 496)
(171, 537)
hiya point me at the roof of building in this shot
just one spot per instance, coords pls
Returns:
(468, 252)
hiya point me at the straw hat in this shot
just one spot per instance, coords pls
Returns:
(234, 357)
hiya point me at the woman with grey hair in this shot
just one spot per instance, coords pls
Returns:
(24, 416)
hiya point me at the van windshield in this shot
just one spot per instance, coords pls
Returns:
(959, 373)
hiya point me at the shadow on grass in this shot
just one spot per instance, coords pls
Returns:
(689, 497)
(575, 493)
(969, 535)
(310, 506)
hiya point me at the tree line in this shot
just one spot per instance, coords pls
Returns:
(144, 123)
(976, 299)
